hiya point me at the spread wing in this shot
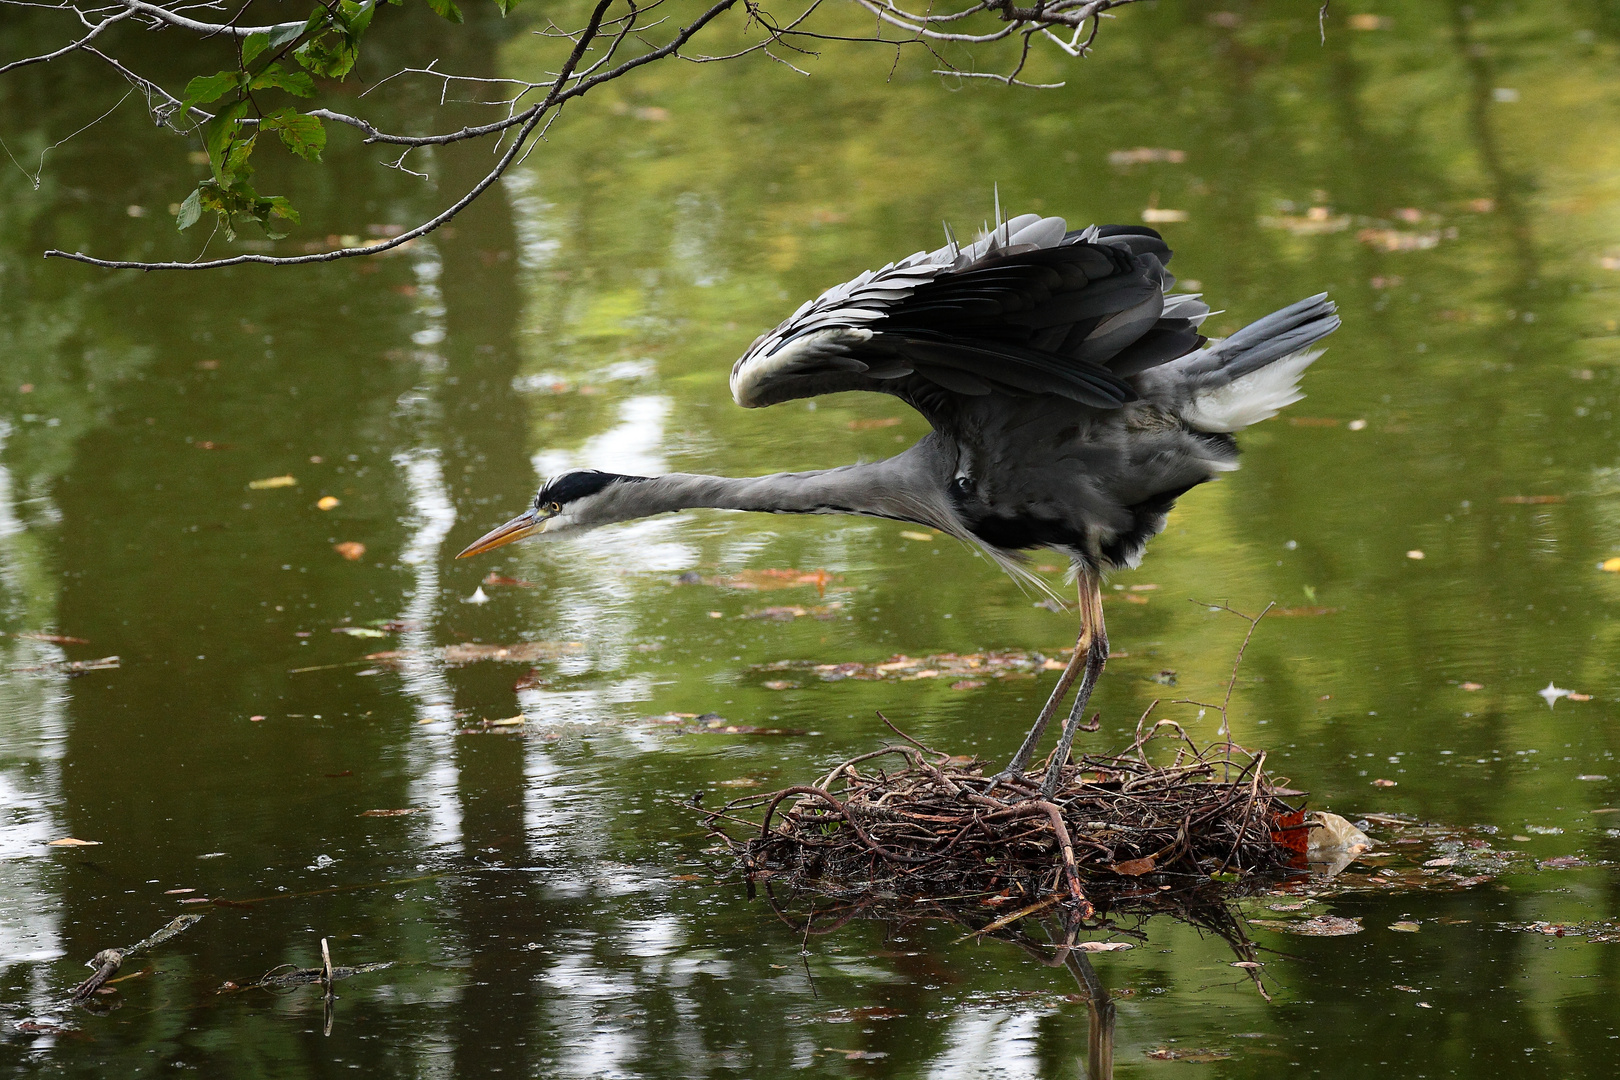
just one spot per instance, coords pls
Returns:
(1031, 308)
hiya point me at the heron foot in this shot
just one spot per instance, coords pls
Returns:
(1013, 779)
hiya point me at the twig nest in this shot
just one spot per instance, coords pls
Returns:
(914, 822)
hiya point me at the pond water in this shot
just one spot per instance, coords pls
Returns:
(1432, 520)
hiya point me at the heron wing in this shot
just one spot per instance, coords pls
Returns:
(1031, 308)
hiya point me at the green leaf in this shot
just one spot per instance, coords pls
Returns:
(278, 206)
(331, 56)
(261, 49)
(252, 46)
(446, 9)
(218, 135)
(294, 82)
(190, 210)
(304, 135)
(356, 17)
(506, 6)
(207, 88)
(236, 166)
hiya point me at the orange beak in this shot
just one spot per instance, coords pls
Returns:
(525, 524)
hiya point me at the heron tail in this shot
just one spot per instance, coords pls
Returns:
(1251, 375)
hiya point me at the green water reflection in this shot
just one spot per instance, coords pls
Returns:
(549, 908)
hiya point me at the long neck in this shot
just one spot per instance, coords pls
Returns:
(900, 487)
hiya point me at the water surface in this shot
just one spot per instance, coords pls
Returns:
(1434, 514)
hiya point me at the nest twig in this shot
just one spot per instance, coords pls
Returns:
(906, 820)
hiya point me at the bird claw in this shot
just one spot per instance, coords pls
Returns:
(1006, 778)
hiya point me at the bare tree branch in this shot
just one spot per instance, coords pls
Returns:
(64, 50)
(164, 15)
(596, 56)
(556, 97)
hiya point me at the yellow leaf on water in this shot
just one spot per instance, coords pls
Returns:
(1611, 565)
(273, 482)
(352, 550)
(68, 841)
(910, 535)
(1405, 926)
(327, 502)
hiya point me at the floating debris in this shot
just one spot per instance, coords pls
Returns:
(108, 961)
(902, 668)
(715, 724)
(764, 580)
(291, 977)
(1315, 926)
(1146, 155)
(524, 652)
(493, 579)
(71, 667)
(789, 612)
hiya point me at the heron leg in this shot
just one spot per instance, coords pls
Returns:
(1026, 752)
(1093, 645)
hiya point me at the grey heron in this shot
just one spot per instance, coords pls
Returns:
(1071, 398)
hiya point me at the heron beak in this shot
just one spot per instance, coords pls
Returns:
(525, 524)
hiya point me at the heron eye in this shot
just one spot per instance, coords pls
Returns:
(555, 508)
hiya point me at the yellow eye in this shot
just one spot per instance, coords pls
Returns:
(555, 508)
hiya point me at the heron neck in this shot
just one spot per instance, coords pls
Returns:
(878, 489)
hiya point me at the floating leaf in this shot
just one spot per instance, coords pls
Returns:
(353, 550)
(493, 579)
(1318, 926)
(1563, 862)
(1136, 867)
(327, 502)
(1385, 783)
(1405, 926)
(54, 639)
(819, 611)
(1143, 155)
(1102, 946)
(1200, 1056)
(910, 534)
(68, 841)
(873, 424)
(524, 652)
(273, 482)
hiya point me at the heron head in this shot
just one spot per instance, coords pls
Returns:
(569, 502)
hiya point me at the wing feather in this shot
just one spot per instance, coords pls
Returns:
(1029, 308)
